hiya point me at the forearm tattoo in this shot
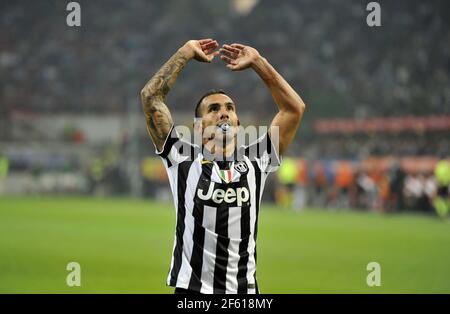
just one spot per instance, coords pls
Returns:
(158, 118)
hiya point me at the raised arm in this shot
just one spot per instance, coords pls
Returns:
(290, 105)
(157, 115)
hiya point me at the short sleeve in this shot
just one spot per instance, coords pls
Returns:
(265, 152)
(176, 150)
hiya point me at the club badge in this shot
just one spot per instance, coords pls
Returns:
(241, 167)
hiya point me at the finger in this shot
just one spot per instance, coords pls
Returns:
(228, 53)
(228, 60)
(210, 46)
(232, 49)
(211, 52)
(232, 67)
(204, 41)
(201, 56)
(239, 46)
(211, 56)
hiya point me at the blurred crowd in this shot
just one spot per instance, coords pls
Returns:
(346, 184)
(324, 48)
(356, 146)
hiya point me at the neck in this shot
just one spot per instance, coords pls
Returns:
(219, 150)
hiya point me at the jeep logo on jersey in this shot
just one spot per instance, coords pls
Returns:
(231, 196)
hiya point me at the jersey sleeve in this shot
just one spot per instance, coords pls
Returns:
(176, 150)
(265, 153)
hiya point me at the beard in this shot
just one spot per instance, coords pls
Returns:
(224, 134)
(219, 136)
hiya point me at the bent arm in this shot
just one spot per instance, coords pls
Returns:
(157, 114)
(291, 106)
(153, 95)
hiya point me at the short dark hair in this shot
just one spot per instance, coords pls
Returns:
(208, 93)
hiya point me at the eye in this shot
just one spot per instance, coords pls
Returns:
(230, 107)
(213, 108)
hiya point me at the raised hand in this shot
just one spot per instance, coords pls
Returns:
(202, 50)
(239, 57)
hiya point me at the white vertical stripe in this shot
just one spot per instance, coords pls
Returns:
(174, 155)
(209, 249)
(253, 261)
(251, 265)
(185, 270)
(173, 181)
(234, 233)
(172, 260)
(215, 177)
(234, 222)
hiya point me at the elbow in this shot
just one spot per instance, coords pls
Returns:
(301, 108)
(295, 106)
(148, 96)
(145, 95)
(298, 109)
(294, 110)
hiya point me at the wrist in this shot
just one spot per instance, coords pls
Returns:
(187, 51)
(259, 64)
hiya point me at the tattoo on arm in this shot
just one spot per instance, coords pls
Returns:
(157, 115)
(159, 122)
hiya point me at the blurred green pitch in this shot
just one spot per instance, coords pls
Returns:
(124, 246)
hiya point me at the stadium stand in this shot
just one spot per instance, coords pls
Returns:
(343, 69)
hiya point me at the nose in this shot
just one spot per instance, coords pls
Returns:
(224, 114)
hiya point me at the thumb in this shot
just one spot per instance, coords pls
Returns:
(211, 56)
(201, 56)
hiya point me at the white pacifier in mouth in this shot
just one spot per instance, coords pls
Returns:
(225, 127)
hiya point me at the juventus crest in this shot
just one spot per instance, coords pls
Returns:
(241, 167)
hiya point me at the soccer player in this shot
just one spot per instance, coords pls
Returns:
(217, 199)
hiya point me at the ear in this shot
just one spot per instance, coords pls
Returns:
(239, 122)
(197, 125)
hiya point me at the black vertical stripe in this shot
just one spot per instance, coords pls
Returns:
(221, 262)
(172, 138)
(257, 193)
(258, 197)
(196, 262)
(259, 148)
(243, 250)
(183, 171)
(252, 151)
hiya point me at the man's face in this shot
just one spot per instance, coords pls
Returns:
(216, 109)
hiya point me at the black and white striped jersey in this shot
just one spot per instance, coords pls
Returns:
(217, 206)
